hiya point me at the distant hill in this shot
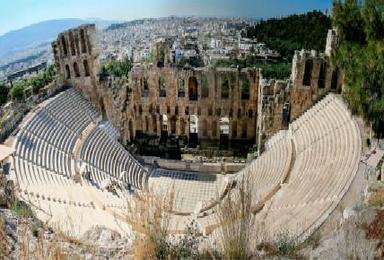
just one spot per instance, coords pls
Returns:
(305, 31)
(43, 32)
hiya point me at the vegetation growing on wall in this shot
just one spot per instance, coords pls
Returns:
(37, 82)
(360, 56)
(279, 70)
(118, 68)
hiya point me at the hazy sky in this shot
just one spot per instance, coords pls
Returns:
(15, 14)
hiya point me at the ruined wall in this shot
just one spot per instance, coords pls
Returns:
(273, 109)
(313, 76)
(77, 59)
(160, 98)
(210, 94)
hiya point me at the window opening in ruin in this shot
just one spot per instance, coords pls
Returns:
(168, 110)
(230, 112)
(210, 110)
(204, 127)
(76, 69)
(182, 126)
(86, 68)
(187, 110)
(82, 40)
(239, 113)
(225, 89)
(204, 87)
(245, 90)
(192, 88)
(131, 134)
(140, 109)
(68, 72)
(181, 88)
(145, 88)
(234, 129)
(150, 108)
(173, 125)
(176, 110)
(334, 79)
(146, 124)
(308, 73)
(214, 128)
(218, 111)
(72, 43)
(244, 130)
(162, 88)
(250, 113)
(321, 81)
(64, 45)
(154, 123)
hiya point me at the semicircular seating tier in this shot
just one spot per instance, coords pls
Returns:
(300, 180)
(49, 154)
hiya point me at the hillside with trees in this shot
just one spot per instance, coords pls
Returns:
(360, 57)
(285, 35)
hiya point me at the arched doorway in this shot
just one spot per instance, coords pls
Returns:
(204, 127)
(193, 131)
(131, 133)
(192, 88)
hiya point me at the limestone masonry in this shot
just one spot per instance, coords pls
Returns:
(201, 103)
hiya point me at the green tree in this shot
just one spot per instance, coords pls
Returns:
(17, 91)
(360, 56)
(3, 93)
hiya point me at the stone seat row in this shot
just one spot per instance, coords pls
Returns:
(328, 148)
(106, 154)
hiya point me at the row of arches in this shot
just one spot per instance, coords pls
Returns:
(76, 70)
(194, 86)
(321, 82)
(77, 43)
(201, 126)
(207, 111)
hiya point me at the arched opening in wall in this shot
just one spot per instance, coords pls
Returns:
(102, 109)
(322, 74)
(131, 133)
(162, 87)
(308, 72)
(64, 46)
(245, 89)
(181, 88)
(164, 129)
(182, 126)
(154, 124)
(204, 127)
(225, 89)
(173, 125)
(204, 87)
(146, 126)
(234, 129)
(193, 131)
(214, 128)
(244, 130)
(72, 43)
(176, 110)
(76, 69)
(145, 89)
(334, 80)
(86, 68)
(250, 113)
(82, 41)
(192, 88)
(224, 132)
(67, 72)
